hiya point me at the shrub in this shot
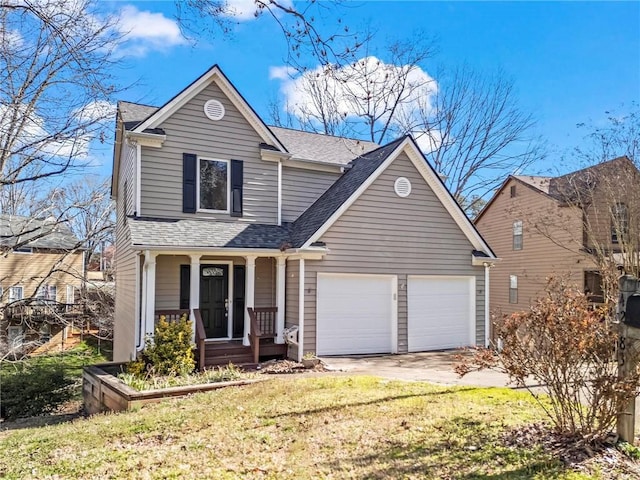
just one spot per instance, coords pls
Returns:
(170, 351)
(35, 390)
(565, 345)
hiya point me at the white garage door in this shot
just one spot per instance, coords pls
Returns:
(356, 314)
(441, 312)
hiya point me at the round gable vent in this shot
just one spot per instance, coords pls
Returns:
(214, 110)
(402, 187)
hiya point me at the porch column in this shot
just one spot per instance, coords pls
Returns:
(194, 289)
(280, 286)
(249, 295)
(150, 297)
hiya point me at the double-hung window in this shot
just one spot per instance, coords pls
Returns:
(213, 185)
(619, 223)
(47, 292)
(517, 235)
(513, 289)
(15, 293)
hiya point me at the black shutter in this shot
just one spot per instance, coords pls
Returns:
(189, 178)
(185, 286)
(236, 188)
(238, 300)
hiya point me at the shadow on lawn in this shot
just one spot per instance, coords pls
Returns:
(339, 406)
(449, 457)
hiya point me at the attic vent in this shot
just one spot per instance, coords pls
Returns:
(402, 187)
(214, 110)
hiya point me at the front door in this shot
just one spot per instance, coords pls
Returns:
(214, 300)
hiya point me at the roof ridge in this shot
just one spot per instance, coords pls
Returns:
(326, 135)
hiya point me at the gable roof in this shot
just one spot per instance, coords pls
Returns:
(337, 194)
(35, 233)
(214, 74)
(319, 217)
(563, 188)
(318, 147)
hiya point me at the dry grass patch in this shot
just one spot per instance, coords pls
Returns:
(307, 428)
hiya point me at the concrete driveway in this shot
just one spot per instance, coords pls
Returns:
(435, 367)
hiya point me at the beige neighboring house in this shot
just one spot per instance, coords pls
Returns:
(543, 226)
(41, 273)
(316, 244)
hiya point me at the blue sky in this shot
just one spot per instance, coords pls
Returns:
(570, 61)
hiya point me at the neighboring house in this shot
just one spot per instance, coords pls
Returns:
(41, 273)
(360, 248)
(544, 226)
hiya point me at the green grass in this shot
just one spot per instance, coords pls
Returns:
(305, 428)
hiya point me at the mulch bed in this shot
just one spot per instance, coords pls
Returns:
(574, 453)
(289, 366)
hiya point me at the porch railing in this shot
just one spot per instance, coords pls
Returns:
(263, 325)
(175, 315)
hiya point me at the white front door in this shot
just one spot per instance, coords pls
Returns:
(356, 314)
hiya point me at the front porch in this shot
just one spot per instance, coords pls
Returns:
(237, 304)
(211, 352)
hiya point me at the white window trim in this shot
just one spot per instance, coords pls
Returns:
(208, 210)
(71, 294)
(21, 295)
(18, 340)
(24, 251)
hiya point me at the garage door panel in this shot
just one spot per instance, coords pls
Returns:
(355, 314)
(440, 312)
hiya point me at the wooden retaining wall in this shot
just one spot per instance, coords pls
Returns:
(104, 392)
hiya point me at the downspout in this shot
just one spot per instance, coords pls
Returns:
(301, 310)
(487, 322)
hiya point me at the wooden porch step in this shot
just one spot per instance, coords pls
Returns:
(223, 353)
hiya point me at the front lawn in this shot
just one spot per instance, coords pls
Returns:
(324, 427)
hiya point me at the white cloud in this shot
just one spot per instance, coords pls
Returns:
(281, 73)
(366, 85)
(427, 141)
(145, 31)
(245, 10)
(96, 111)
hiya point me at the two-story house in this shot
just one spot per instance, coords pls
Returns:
(567, 226)
(338, 245)
(41, 273)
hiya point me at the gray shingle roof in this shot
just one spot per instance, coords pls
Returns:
(318, 213)
(35, 233)
(134, 113)
(202, 233)
(322, 148)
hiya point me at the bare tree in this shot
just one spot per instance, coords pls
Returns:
(304, 27)
(87, 207)
(469, 125)
(55, 88)
(56, 91)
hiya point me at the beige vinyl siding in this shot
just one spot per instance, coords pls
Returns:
(382, 233)
(551, 243)
(189, 131)
(292, 297)
(125, 314)
(300, 188)
(42, 267)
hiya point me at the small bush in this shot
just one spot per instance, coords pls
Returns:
(35, 390)
(565, 345)
(170, 351)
